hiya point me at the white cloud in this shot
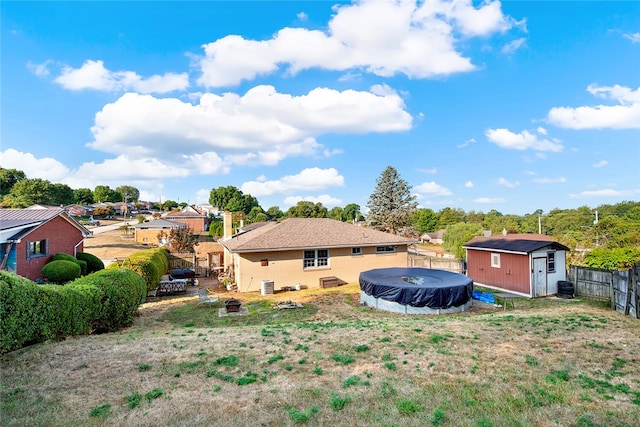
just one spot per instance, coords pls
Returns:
(634, 37)
(624, 115)
(94, 75)
(522, 141)
(260, 127)
(547, 180)
(468, 184)
(541, 131)
(381, 37)
(310, 179)
(505, 183)
(432, 189)
(606, 192)
(202, 196)
(514, 45)
(45, 168)
(302, 16)
(467, 143)
(601, 164)
(325, 199)
(40, 70)
(430, 171)
(488, 200)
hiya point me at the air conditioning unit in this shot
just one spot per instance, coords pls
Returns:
(266, 287)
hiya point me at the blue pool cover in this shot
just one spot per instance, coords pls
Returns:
(418, 287)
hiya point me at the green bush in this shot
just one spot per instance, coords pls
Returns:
(60, 271)
(612, 259)
(93, 262)
(150, 264)
(19, 316)
(121, 291)
(66, 257)
(103, 301)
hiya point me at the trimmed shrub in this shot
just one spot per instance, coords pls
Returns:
(19, 315)
(93, 262)
(60, 271)
(103, 301)
(121, 291)
(66, 257)
(150, 264)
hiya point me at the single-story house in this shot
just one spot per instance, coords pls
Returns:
(30, 237)
(79, 210)
(190, 215)
(147, 232)
(435, 237)
(525, 264)
(311, 252)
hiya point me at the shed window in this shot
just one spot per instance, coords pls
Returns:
(551, 262)
(495, 260)
(315, 258)
(37, 248)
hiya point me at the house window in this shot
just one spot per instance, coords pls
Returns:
(385, 249)
(36, 248)
(316, 258)
(495, 260)
(356, 251)
(551, 262)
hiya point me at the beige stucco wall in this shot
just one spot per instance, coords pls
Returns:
(148, 236)
(285, 267)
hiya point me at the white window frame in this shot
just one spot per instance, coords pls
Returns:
(356, 251)
(551, 262)
(495, 260)
(315, 259)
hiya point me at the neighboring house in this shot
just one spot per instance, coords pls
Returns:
(435, 237)
(30, 237)
(306, 250)
(79, 210)
(190, 215)
(147, 232)
(525, 264)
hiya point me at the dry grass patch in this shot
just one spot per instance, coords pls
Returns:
(335, 363)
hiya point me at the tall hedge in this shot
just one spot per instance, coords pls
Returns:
(150, 264)
(121, 293)
(100, 302)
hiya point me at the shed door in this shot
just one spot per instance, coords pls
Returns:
(539, 277)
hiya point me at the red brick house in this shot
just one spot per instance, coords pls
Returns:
(525, 264)
(30, 237)
(190, 215)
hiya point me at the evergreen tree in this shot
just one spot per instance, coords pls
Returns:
(391, 204)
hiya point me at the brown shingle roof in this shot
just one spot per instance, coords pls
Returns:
(299, 233)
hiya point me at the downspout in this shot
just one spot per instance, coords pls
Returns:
(75, 248)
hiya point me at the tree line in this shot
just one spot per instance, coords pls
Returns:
(391, 207)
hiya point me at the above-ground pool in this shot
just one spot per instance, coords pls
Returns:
(415, 290)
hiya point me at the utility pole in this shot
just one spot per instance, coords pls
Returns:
(539, 224)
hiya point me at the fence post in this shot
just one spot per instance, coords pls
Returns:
(627, 304)
(612, 293)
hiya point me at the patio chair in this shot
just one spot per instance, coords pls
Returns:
(205, 298)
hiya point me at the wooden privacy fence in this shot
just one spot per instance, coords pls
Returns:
(189, 261)
(439, 263)
(621, 288)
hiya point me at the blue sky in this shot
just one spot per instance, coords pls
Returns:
(513, 106)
